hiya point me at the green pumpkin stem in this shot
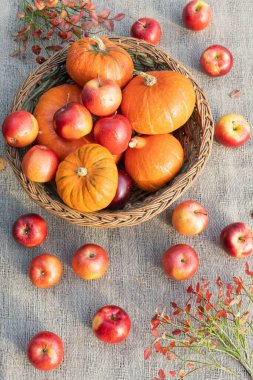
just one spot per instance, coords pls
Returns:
(101, 46)
(81, 172)
(149, 80)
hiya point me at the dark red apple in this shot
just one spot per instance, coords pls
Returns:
(180, 262)
(73, 121)
(111, 324)
(197, 15)
(90, 262)
(189, 218)
(147, 29)
(20, 129)
(216, 60)
(101, 96)
(237, 240)
(114, 133)
(123, 192)
(232, 130)
(30, 230)
(45, 351)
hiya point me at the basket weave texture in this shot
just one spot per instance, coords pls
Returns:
(196, 137)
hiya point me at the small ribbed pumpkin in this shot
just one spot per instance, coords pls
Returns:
(89, 57)
(87, 179)
(158, 102)
(152, 161)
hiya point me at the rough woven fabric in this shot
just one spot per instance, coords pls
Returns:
(135, 280)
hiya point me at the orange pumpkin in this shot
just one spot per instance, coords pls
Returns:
(50, 102)
(158, 102)
(154, 160)
(87, 179)
(89, 57)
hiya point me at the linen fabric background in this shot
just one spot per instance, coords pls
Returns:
(135, 280)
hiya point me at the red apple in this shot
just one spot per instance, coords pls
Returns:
(180, 262)
(237, 240)
(216, 60)
(114, 133)
(20, 129)
(189, 218)
(45, 270)
(147, 29)
(123, 192)
(102, 96)
(111, 324)
(30, 230)
(232, 130)
(40, 164)
(197, 15)
(73, 121)
(90, 262)
(45, 351)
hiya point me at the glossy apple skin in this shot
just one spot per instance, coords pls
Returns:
(30, 230)
(40, 164)
(114, 133)
(45, 270)
(147, 29)
(111, 324)
(45, 351)
(123, 192)
(73, 121)
(189, 218)
(197, 15)
(20, 129)
(232, 130)
(101, 96)
(237, 240)
(216, 60)
(180, 262)
(90, 262)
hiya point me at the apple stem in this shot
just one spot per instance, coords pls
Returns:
(81, 172)
(200, 212)
(149, 80)
(67, 101)
(99, 80)
(99, 43)
(115, 114)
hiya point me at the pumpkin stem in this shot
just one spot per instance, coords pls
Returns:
(149, 80)
(101, 46)
(137, 142)
(81, 172)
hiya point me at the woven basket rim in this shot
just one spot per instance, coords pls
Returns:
(140, 213)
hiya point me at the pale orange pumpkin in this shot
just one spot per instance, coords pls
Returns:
(154, 160)
(87, 179)
(50, 102)
(158, 101)
(89, 57)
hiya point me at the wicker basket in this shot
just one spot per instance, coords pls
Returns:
(196, 137)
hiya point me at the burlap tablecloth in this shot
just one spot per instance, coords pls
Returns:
(135, 280)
